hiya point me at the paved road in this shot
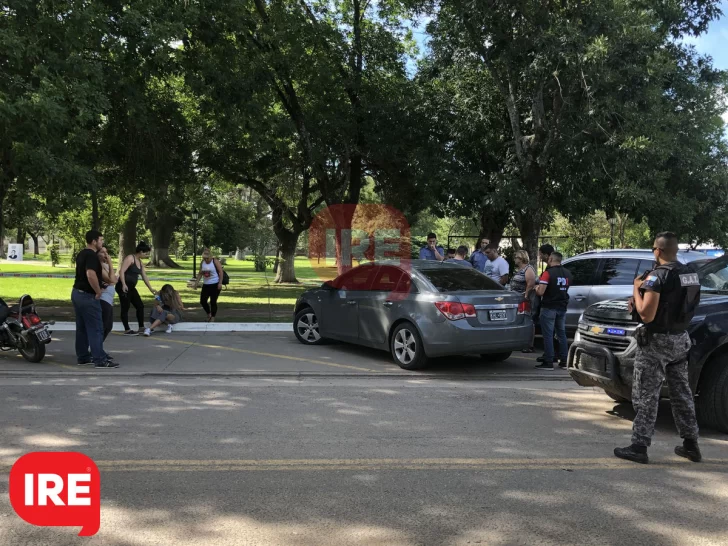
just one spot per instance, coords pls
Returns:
(360, 460)
(256, 353)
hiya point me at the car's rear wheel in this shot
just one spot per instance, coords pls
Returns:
(712, 400)
(497, 357)
(407, 349)
(617, 398)
(306, 327)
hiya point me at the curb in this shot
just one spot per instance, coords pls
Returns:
(199, 327)
(300, 375)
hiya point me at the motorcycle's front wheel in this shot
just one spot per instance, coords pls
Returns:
(34, 351)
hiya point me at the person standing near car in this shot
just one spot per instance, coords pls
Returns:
(524, 283)
(211, 272)
(108, 290)
(460, 257)
(665, 300)
(432, 251)
(553, 288)
(478, 258)
(86, 296)
(496, 267)
(131, 269)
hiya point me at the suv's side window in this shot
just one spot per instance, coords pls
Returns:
(618, 271)
(582, 271)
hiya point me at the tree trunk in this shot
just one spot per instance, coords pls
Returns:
(20, 236)
(492, 225)
(95, 219)
(286, 267)
(529, 225)
(277, 260)
(34, 236)
(127, 237)
(162, 232)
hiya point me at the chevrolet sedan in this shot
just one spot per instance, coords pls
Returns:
(416, 310)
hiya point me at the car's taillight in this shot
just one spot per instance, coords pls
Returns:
(524, 308)
(31, 320)
(454, 310)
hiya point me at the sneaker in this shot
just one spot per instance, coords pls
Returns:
(107, 364)
(141, 330)
(130, 333)
(169, 329)
(540, 359)
(147, 332)
(562, 364)
(689, 451)
(544, 366)
(632, 453)
(84, 363)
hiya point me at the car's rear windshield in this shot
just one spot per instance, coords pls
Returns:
(450, 279)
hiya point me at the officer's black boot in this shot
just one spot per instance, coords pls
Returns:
(689, 450)
(635, 453)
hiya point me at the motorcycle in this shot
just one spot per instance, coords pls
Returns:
(21, 329)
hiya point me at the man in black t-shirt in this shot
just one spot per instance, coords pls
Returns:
(86, 298)
(553, 287)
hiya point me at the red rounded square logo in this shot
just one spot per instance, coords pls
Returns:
(57, 489)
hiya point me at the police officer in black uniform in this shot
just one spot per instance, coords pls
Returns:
(665, 300)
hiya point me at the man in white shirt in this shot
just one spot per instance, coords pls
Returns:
(496, 267)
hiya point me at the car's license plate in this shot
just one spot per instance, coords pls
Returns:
(42, 335)
(498, 315)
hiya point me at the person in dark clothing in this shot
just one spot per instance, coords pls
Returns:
(86, 296)
(664, 301)
(131, 269)
(553, 288)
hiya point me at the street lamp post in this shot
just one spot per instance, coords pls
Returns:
(195, 216)
(612, 221)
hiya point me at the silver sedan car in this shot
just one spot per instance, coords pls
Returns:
(416, 310)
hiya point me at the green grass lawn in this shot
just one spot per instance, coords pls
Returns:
(251, 296)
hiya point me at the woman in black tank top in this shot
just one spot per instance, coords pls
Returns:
(131, 269)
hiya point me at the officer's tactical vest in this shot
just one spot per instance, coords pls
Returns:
(678, 300)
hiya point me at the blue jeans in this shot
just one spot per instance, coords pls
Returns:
(554, 319)
(89, 327)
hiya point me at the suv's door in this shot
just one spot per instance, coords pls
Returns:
(583, 271)
(615, 279)
(340, 312)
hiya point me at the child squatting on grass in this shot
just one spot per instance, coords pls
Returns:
(167, 309)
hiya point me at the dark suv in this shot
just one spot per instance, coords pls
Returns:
(603, 351)
(609, 274)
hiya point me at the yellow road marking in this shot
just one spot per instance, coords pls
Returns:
(272, 355)
(303, 465)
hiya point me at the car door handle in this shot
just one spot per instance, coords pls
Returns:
(387, 304)
(351, 302)
(580, 298)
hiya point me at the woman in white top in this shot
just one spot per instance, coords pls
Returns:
(107, 294)
(211, 271)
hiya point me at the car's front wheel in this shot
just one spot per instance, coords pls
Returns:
(407, 349)
(712, 401)
(306, 327)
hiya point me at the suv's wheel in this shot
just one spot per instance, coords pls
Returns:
(617, 398)
(712, 400)
(497, 357)
(406, 347)
(306, 327)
